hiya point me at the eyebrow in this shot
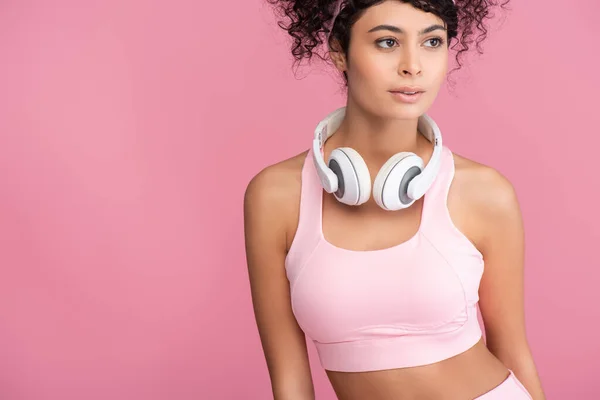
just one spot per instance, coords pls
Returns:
(399, 30)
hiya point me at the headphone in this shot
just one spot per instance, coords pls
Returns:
(399, 183)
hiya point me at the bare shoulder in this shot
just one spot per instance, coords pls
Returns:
(278, 183)
(276, 190)
(485, 193)
(484, 186)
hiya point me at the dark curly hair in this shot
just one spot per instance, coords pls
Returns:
(308, 23)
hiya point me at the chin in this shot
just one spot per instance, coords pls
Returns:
(407, 111)
(386, 108)
(413, 109)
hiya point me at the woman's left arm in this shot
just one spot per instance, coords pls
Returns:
(501, 298)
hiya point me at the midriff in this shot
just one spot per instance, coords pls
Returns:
(462, 377)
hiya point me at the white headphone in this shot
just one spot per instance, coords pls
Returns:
(399, 183)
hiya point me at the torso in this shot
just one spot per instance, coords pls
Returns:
(367, 227)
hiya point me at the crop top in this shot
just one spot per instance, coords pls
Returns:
(407, 305)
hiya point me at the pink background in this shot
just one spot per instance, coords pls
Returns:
(128, 133)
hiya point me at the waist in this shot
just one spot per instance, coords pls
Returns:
(466, 375)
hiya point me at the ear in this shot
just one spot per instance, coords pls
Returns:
(337, 56)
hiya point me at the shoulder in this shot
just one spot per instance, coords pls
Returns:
(275, 190)
(276, 182)
(484, 185)
(486, 194)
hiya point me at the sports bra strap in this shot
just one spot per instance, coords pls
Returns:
(307, 234)
(436, 198)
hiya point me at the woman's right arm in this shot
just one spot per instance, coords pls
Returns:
(284, 345)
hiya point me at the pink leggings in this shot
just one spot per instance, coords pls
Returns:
(510, 389)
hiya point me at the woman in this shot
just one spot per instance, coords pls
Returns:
(385, 275)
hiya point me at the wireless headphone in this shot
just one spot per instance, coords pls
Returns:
(399, 183)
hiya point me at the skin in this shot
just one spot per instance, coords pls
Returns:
(482, 204)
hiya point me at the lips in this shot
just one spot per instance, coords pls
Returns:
(403, 97)
(408, 90)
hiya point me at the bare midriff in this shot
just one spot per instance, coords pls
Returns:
(465, 376)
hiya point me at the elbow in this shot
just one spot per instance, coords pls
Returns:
(294, 391)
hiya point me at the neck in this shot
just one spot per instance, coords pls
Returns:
(376, 138)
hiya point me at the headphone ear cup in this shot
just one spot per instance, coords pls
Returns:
(354, 179)
(391, 182)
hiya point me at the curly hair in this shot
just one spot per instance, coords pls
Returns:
(308, 23)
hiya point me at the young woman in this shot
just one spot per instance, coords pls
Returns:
(381, 254)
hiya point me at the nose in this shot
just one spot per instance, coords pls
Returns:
(410, 62)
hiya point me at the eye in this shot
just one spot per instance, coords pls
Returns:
(387, 41)
(439, 41)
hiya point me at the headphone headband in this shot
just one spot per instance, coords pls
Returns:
(417, 186)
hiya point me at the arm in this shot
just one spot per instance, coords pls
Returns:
(501, 290)
(283, 342)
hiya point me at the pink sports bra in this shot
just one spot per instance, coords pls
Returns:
(407, 305)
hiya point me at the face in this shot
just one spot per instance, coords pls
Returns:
(393, 45)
